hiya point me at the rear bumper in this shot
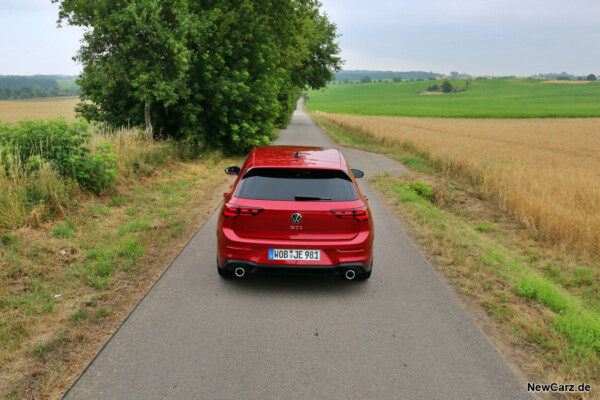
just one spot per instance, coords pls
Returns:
(254, 268)
(357, 251)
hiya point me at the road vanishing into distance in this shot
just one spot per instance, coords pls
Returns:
(400, 335)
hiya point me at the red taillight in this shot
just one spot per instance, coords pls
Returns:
(359, 214)
(233, 211)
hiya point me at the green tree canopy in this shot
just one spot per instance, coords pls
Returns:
(215, 73)
(447, 87)
(365, 79)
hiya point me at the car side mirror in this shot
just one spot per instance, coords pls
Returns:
(235, 170)
(357, 173)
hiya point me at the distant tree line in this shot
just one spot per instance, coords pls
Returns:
(16, 82)
(211, 74)
(563, 76)
(383, 75)
(36, 86)
(23, 93)
(368, 79)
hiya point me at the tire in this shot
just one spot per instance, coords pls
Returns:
(223, 273)
(365, 275)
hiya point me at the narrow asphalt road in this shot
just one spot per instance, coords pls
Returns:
(400, 335)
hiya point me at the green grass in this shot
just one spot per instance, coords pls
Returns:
(64, 231)
(572, 317)
(494, 98)
(132, 211)
(78, 316)
(485, 228)
(116, 201)
(66, 83)
(101, 312)
(98, 210)
(543, 291)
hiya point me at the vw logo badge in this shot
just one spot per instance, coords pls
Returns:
(296, 218)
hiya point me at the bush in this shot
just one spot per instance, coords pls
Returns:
(97, 171)
(423, 190)
(433, 88)
(447, 87)
(415, 192)
(53, 140)
(63, 146)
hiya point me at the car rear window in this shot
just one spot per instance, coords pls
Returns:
(296, 184)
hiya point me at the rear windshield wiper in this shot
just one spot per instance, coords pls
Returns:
(310, 198)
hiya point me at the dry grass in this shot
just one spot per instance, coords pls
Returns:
(68, 280)
(482, 254)
(544, 172)
(567, 82)
(17, 110)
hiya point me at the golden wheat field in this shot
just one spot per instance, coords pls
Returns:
(16, 110)
(545, 172)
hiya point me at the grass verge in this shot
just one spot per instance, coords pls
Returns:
(544, 304)
(69, 279)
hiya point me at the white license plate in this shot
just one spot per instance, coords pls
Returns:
(294, 255)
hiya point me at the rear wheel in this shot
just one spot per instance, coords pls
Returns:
(223, 273)
(365, 275)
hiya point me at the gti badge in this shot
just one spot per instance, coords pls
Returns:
(296, 218)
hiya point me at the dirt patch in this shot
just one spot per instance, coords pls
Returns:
(567, 82)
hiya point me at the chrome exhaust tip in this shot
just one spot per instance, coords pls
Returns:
(350, 274)
(240, 272)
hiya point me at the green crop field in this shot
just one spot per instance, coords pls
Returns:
(66, 83)
(493, 98)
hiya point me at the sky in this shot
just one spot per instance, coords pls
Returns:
(477, 37)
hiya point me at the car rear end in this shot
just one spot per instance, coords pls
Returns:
(298, 218)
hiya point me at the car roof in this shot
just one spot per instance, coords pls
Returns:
(285, 157)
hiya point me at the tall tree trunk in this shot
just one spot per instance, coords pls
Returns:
(148, 122)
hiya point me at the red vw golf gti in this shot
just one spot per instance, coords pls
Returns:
(297, 210)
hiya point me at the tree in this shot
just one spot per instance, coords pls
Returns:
(138, 48)
(447, 87)
(365, 79)
(454, 74)
(211, 73)
(397, 79)
(590, 77)
(346, 80)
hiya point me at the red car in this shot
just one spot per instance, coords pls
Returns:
(295, 209)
